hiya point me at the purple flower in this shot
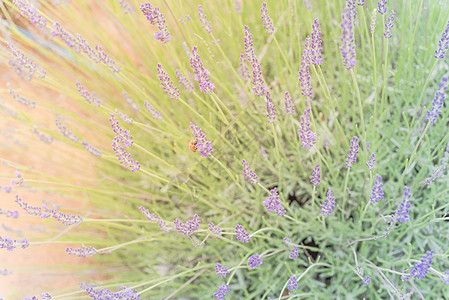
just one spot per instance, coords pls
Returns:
(403, 209)
(371, 161)
(445, 277)
(30, 13)
(201, 74)
(305, 133)
(347, 38)
(203, 19)
(153, 111)
(287, 241)
(366, 280)
(329, 204)
(124, 157)
(271, 112)
(389, 25)
(19, 176)
(152, 217)
(377, 193)
(249, 174)
(202, 145)
(243, 69)
(422, 268)
(353, 151)
(124, 117)
(405, 276)
(45, 213)
(9, 214)
(255, 260)
(304, 74)
(221, 293)
(308, 4)
(443, 44)
(294, 253)
(91, 149)
(382, 7)
(273, 203)
(82, 252)
(438, 100)
(241, 234)
(44, 138)
(102, 294)
(315, 45)
(11, 244)
(167, 84)
(66, 132)
(87, 96)
(153, 14)
(122, 135)
(185, 82)
(22, 100)
(22, 65)
(189, 227)
(221, 270)
(214, 229)
(289, 106)
(292, 284)
(316, 174)
(361, 2)
(266, 20)
(259, 87)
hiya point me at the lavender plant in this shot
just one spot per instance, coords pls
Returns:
(255, 151)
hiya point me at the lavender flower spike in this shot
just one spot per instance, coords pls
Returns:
(371, 161)
(422, 268)
(315, 45)
(403, 209)
(10, 244)
(221, 270)
(266, 20)
(347, 38)
(389, 25)
(353, 151)
(329, 204)
(167, 84)
(305, 133)
(271, 111)
(249, 174)
(316, 174)
(203, 19)
(304, 74)
(443, 44)
(201, 74)
(202, 145)
(30, 13)
(438, 100)
(221, 293)
(82, 252)
(155, 17)
(292, 284)
(255, 260)
(382, 7)
(373, 21)
(377, 193)
(241, 234)
(273, 203)
(289, 106)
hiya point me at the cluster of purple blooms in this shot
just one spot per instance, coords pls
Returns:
(166, 83)
(241, 234)
(266, 20)
(371, 161)
(353, 151)
(10, 244)
(152, 217)
(102, 293)
(203, 18)
(422, 268)
(91, 149)
(271, 111)
(221, 293)
(19, 177)
(189, 227)
(185, 82)
(389, 25)
(45, 213)
(87, 96)
(294, 253)
(259, 86)
(155, 17)
(45, 296)
(79, 44)
(443, 44)
(22, 65)
(66, 132)
(255, 261)
(347, 38)
(329, 204)
(30, 12)
(306, 135)
(402, 213)
(292, 284)
(274, 204)
(438, 100)
(9, 213)
(221, 270)
(289, 106)
(44, 138)
(202, 145)
(249, 174)
(377, 193)
(152, 111)
(122, 139)
(22, 100)
(82, 252)
(214, 229)
(201, 74)
(316, 174)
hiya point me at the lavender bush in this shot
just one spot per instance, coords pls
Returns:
(179, 104)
